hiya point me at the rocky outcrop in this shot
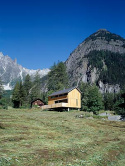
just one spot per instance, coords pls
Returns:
(77, 64)
(104, 88)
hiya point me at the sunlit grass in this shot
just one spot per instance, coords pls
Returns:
(33, 137)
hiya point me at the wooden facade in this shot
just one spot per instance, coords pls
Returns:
(37, 103)
(68, 98)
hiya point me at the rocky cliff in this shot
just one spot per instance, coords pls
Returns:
(82, 62)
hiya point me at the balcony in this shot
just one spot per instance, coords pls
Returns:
(57, 105)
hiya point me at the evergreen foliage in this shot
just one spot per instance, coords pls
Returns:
(57, 77)
(109, 101)
(35, 91)
(24, 93)
(3, 103)
(3, 100)
(16, 96)
(27, 84)
(84, 95)
(1, 89)
(92, 100)
(119, 99)
(111, 66)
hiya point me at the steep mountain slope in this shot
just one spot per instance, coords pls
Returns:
(101, 59)
(10, 72)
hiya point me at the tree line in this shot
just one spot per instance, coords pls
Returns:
(57, 79)
(94, 101)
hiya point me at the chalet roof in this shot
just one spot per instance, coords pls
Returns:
(64, 91)
(36, 100)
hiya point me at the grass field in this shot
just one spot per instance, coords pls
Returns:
(36, 138)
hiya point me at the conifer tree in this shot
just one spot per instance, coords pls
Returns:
(57, 77)
(92, 100)
(27, 88)
(84, 95)
(35, 90)
(109, 101)
(16, 95)
(27, 84)
(95, 100)
(22, 93)
(1, 89)
(119, 106)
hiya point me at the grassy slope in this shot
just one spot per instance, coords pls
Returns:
(59, 138)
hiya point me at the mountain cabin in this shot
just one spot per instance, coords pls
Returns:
(64, 99)
(37, 103)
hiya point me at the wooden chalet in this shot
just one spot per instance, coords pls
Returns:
(64, 99)
(37, 102)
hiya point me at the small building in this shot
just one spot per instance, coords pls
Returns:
(37, 103)
(67, 98)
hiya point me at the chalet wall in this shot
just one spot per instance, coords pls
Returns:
(37, 102)
(74, 99)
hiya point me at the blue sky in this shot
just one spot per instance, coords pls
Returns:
(40, 32)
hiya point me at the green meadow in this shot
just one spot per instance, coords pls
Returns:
(45, 138)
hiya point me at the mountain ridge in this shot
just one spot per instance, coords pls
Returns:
(78, 63)
(10, 71)
(95, 60)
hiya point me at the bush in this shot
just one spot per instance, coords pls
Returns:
(3, 104)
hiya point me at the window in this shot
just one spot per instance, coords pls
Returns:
(65, 94)
(61, 101)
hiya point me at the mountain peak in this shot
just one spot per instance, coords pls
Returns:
(104, 34)
(96, 59)
(105, 30)
(11, 72)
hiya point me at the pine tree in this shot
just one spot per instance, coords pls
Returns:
(35, 91)
(27, 84)
(57, 77)
(84, 95)
(119, 106)
(22, 94)
(27, 88)
(109, 101)
(1, 89)
(16, 95)
(95, 100)
(92, 100)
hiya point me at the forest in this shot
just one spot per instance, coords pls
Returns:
(57, 79)
(111, 66)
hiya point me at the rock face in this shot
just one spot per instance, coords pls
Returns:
(10, 72)
(78, 66)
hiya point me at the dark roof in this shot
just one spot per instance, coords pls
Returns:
(36, 100)
(64, 91)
